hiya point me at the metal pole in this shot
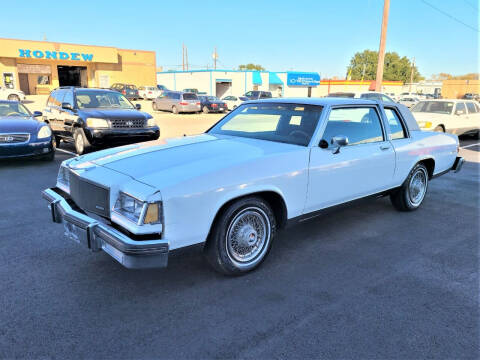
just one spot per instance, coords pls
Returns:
(381, 50)
(183, 57)
(215, 59)
(411, 75)
(186, 56)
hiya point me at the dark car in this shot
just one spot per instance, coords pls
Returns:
(22, 135)
(97, 118)
(256, 95)
(128, 90)
(212, 104)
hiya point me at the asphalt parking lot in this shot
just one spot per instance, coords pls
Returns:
(365, 282)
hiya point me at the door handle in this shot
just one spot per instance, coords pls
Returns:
(384, 147)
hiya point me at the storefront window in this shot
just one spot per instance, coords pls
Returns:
(43, 80)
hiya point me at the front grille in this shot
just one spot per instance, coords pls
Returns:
(89, 196)
(127, 124)
(14, 138)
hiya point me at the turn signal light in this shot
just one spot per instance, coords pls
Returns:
(152, 215)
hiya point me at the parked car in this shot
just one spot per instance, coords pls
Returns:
(371, 95)
(94, 118)
(266, 164)
(177, 102)
(256, 95)
(453, 116)
(212, 104)
(22, 135)
(234, 101)
(470, 96)
(148, 92)
(128, 90)
(195, 91)
(408, 101)
(162, 87)
(11, 94)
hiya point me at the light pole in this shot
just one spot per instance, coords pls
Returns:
(381, 50)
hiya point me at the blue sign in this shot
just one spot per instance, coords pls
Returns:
(303, 79)
(54, 55)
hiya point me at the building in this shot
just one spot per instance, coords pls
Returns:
(237, 82)
(456, 89)
(424, 87)
(281, 84)
(37, 67)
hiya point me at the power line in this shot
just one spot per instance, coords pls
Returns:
(450, 16)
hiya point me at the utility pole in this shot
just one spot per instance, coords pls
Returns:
(363, 71)
(186, 56)
(215, 57)
(381, 50)
(183, 57)
(411, 75)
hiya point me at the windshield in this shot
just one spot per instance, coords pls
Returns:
(286, 123)
(91, 99)
(438, 107)
(212, 98)
(13, 109)
(189, 96)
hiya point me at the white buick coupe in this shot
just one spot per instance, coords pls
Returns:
(266, 164)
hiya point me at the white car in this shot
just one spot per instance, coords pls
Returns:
(148, 92)
(11, 94)
(234, 101)
(371, 95)
(408, 101)
(266, 164)
(453, 116)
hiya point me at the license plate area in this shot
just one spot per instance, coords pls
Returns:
(75, 233)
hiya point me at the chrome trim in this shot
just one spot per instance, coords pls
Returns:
(99, 236)
(15, 143)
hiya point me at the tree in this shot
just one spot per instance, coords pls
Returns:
(251, 67)
(364, 65)
(446, 76)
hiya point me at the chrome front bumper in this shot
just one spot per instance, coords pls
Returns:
(96, 236)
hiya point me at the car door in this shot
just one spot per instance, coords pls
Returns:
(56, 121)
(364, 167)
(67, 117)
(473, 116)
(460, 119)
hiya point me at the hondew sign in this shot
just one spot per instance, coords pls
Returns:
(303, 79)
(54, 55)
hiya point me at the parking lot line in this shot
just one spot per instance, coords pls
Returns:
(471, 145)
(66, 152)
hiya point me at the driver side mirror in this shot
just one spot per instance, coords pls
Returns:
(67, 106)
(338, 142)
(37, 113)
(138, 106)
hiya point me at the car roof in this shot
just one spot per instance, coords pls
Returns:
(326, 101)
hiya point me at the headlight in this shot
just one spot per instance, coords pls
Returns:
(44, 132)
(138, 211)
(63, 176)
(97, 123)
(151, 122)
(425, 124)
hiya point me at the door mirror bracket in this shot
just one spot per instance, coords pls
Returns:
(338, 142)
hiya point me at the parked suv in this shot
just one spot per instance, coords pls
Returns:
(255, 95)
(177, 102)
(96, 117)
(130, 91)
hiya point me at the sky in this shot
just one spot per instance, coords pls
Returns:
(280, 35)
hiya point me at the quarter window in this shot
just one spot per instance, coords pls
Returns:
(360, 125)
(471, 108)
(396, 126)
(460, 107)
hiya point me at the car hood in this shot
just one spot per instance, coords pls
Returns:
(114, 113)
(426, 116)
(18, 124)
(165, 162)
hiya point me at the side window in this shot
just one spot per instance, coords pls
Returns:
(51, 99)
(59, 94)
(397, 129)
(360, 125)
(249, 93)
(68, 97)
(460, 107)
(386, 98)
(471, 108)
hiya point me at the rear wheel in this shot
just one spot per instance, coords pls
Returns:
(154, 106)
(410, 196)
(82, 145)
(205, 110)
(13, 97)
(241, 236)
(174, 109)
(57, 141)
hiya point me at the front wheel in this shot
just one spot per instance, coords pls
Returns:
(439, 128)
(154, 106)
(205, 110)
(82, 145)
(241, 237)
(174, 110)
(410, 196)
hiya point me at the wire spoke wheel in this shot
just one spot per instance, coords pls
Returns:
(248, 235)
(418, 187)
